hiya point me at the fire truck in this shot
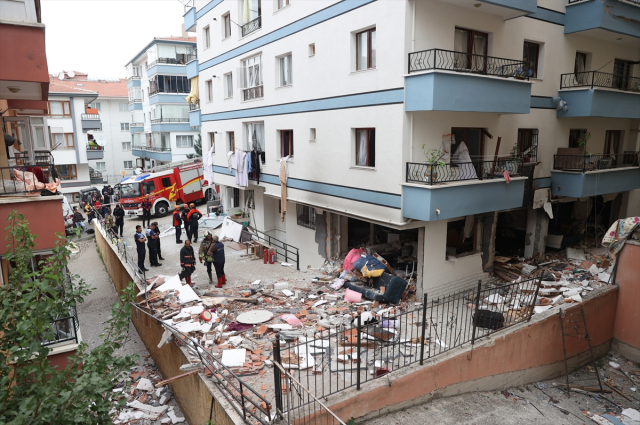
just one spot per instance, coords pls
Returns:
(167, 185)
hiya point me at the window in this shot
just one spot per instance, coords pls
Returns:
(282, 4)
(366, 147)
(226, 20)
(126, 146)
(475, 44)
(251, 77)
(284, 71)
(212, 141)
(166, 182)
(622, 75)
(95, 105)
(312, 134)
(63, 141)
(148, 188)
(578, 138)
(286, 143)
(528, 144)
(169, 84)
(72, 198)
(366, 49)
(128, 164)
(135, 95)
(254, 136)
(228, 86)
(306, 216)
(124, 126)
(67, 172)
(530, 58)
(101, 166)
(461, 238)
(236, 197)
(184, 141)
(231, 141)
(207, 37)
(123, 107)
(60, 109)
(312, 49)
(209, 93)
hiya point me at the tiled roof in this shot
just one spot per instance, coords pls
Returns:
(176, 38)
(111, 89)
(56, 86)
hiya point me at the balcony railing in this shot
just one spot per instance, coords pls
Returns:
(16, 179)
(193, 55)
(95, 148)
(161, 120)
(253, 93)
(252, 26)
(195, 105)
(600, 79)
(64, 329)
(136, 124)
(167, 61)
(152, 148)
(476, 170)
(154, 91)
(135, 100)
(449, 60)
(595, 162)
(90, 116)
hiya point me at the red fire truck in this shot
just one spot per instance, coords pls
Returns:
(168, 185)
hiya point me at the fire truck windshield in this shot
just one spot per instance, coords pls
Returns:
(130, 190)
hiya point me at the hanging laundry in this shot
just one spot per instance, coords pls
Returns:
(507, 177)
(248, 163)
(229, 165)
(208, 165)
(284, 174)
(242, 179)
(256, 164)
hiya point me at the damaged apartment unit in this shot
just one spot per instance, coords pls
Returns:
(158, 86)
(437, 133)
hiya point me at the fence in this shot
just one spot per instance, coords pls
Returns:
(364, 352)
(600, 79)
(283, 249)
(449, 60)
(475, 170)
(252, 26)
(595, 162)
(18, 178)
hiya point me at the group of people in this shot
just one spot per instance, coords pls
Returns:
(211, 253)
(188, 216)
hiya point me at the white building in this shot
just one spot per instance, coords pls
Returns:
(158, 86)
(359, 91)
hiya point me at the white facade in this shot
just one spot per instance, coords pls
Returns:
(326, 99)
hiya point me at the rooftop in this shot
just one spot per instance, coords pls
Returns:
(155, 40)
(82, 83)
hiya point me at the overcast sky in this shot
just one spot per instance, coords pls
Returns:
(101, 36)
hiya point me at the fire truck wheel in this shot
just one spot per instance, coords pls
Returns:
(162, 209)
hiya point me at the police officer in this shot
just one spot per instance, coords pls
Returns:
(146, 210)
(177, 224)
(185, 219)
(118, 214)
(152, 237)
(157, 230)
(140, 239)
(193, 217)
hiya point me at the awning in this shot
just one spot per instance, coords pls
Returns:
(194, 94)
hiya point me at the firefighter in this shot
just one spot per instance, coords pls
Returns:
(206, 253)
(218, 261)
(152, 237)
(146, 210)
(187, 261)
(177, 224)
(193, 217)
(185, 219)
(140, 239)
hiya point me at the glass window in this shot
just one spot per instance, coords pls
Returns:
(366, 49)
(228, 85)
(123, 107)
(130, 190)
(286, 143)
(231, 140)
(209, 91)
(128, 165)
(254, 136)
(207, 37)
(101, 166)
(285, 73)
(148, 188)
(184, 141)
(124, 126)
(283, 3)
(227, 25)
(166, 182)
(306, 216)
(578, 138)
(530, 58)
(67, 172)
(126, 146)
(366, 147)
(95, 105)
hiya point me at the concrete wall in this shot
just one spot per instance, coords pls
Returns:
(626, 330)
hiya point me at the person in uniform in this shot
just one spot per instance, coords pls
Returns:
(118, 214)
(187, 261)
(185, 220)
(177, 224)
(156, 228)
(205, 253)
(193, 217)
(153, 248)
(218, 261)
(140, 240)
(146, 210)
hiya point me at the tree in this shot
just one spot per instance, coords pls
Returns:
(32, 391)
(197, 146)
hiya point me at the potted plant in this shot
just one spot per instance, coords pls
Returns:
(434, 160)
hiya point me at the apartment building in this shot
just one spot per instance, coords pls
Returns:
(401, 120)
(25, 88)
(158, 87)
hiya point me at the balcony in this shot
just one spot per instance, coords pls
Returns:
(195, 105)
(599, 94)
(65, 329)
(444, 80)
(91, 122)
(95, 152)
(438, 192)
(252, 26)
(158, 153)
(190, 20)
(95, 176)
(581, 176)
(611, 20)
(505, 8)
(253, 93)
(168, 66)
(12, 179)
(193, 55)
(170, 124)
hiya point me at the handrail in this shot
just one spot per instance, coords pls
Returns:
(191, 56)
(595, 162)
(461, 171)
(252, 26)
(167, 61)
(600, 79)
(288, 251)
(90, 116)
(160, 120)
(151, 148)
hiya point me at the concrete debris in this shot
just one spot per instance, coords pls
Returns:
(144, 385)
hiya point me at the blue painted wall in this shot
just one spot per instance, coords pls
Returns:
(192, 69)
(135, 106)
(420, 203)
(580, 185)
(190, 20)
(133, 83)
(547, 15)
(208, 7)
(158, 156)
(167, 98)
(194, 118)
(167, 70)
(174, 126)
(136, 129)
(528, 6)
(600, 103)
(440, 91)
(609, 15)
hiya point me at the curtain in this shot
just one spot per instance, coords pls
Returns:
(172, 111)
(361, 140)
(194, 93)
(58, 140)
(285, 71)
(166, 51)
(56, 108)
(362, 50)
(246, 13)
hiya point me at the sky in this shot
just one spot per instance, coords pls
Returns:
(101, 36)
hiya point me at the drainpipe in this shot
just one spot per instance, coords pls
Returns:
(75, 130)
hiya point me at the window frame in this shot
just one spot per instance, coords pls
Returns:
(101, 169)
(235, 198)
(532, 133)
(212, 140)
(228, 85)
(123, 107)
(180, 137)
(206, 37)
(226, 25)
(209, 90)
(282, 142)
(368, 31)
(66, 140)
(124, 126)
(124, 148)
(281, 4)
(66, 109)
(125, 165)
(575, 134)
(73, 172)
(281, 64)
(231, 141)
(306, 216)
(368, 132)
(527, 46)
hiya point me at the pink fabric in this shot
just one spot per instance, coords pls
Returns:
(31, 182)
(351, 257)
(507, 177)
(291, 319)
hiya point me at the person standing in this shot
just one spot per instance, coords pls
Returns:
(218, 261)
(157, 230)
(98, 207)
(146, 210)
(140, 240)
(105, 194)
(111, 197)
(118, 214)
(78, 219)
(193, 217)
(177, 224)
(187, 261)
(185, 220)
(90, 214)
(206, 253)
(110, 222)
(153, 248)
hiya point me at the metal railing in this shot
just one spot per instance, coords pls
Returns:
(151, 148)
(90, 116)
(453, 172)
(167, 61)
(253, 93)
(595, 162)
(17, 179)
(160, 120)
(633, 2)
(449, 60)
(290, 253)
(252, 26)
(95, 148)
(195, 105)
(64, 329)
(576, 1)
(328, 363)
(191, 56)
(600, 79)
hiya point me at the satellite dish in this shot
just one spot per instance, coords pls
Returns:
(71, 74)
(61, 76)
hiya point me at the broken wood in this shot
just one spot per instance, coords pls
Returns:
(618, 391)
(590, 389)
(175, 378)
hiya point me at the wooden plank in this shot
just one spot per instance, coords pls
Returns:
(175, 378)
(618, 391)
